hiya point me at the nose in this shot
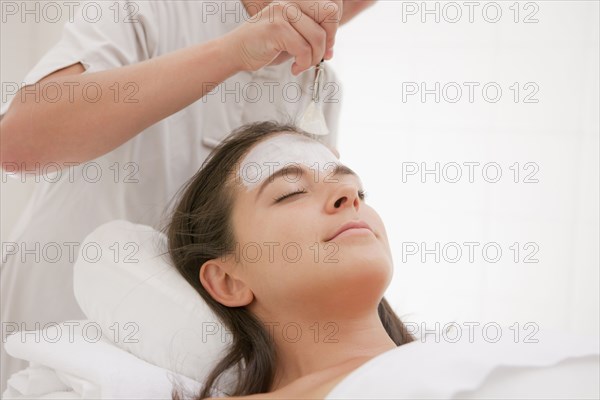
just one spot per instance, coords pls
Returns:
(344, 196)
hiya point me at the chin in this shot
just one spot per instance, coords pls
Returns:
(371, 269)
(362, 253)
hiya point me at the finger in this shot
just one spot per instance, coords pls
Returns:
(326, 13)
(295, 44)
(313, 33)
(331, 15)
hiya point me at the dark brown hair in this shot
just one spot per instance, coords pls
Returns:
(200, 229)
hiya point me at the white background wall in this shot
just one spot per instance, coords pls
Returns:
(381, 134)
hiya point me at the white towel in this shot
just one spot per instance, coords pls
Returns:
(33, 382)
(67, 364)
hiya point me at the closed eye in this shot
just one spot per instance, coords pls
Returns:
(361, 195)
(285, 196)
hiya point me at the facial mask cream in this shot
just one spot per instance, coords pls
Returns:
(280, 151)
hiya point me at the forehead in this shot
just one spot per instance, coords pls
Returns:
(279, 151)
(291, 147)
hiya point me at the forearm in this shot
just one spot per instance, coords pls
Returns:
(81, 125)
(354, 7)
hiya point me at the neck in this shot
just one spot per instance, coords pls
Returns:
(307, 347)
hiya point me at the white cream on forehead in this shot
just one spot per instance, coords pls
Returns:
(278, 152)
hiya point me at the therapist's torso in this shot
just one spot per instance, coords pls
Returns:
(138, 180)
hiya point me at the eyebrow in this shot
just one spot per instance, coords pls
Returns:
(339, 169)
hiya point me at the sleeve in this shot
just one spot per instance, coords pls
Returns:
(332, 105)
(102, 35)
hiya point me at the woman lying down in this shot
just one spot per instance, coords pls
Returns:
(274, 232)
(329, 263)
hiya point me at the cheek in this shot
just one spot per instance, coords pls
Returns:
(276, 246)
(373, 219)
(377, 223)
(294, 221)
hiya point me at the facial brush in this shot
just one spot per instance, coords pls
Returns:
(313, 119)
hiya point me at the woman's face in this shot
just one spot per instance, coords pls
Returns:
(285, 251)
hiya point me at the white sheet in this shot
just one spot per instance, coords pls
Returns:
(444, 370)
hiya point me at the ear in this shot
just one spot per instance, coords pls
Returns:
(222, 286)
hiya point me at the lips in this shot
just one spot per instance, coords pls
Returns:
(350, 225)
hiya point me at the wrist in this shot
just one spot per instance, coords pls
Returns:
(230, 54)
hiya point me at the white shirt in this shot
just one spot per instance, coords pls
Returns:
(141, 176)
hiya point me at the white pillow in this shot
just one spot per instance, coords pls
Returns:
(143, 304)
